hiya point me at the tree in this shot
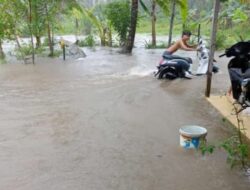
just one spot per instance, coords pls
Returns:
(31, 30)
(132, 29)
(118, 13)
(153, 20)
(152, 14)
(184, 12)
(98, 23)
(164, 5)
(171, 22)
(8, 20)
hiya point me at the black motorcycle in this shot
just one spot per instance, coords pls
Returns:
(239, 72)
(171, 68)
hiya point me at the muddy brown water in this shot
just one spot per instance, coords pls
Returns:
(105, 123)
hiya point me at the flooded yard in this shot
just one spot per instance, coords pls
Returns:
(105, 123)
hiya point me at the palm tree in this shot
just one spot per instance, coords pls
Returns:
(132, 29)
(31, 30)
(97, 22)
(153, 20)
(184, 12)
(152, 14)
(164, 5)
(171, 22)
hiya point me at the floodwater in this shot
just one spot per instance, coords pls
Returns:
(105, 123)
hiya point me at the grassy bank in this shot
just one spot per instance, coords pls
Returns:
(225, 36)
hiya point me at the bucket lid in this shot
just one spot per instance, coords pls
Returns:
(193, 131)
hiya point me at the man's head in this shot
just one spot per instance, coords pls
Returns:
(186, 35)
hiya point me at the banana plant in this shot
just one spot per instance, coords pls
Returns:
(184, 13)
(77, 15)
(164, 5)
(101, 28)
(152, 14)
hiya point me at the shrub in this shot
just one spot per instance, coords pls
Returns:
(118, 13)
(88, 41)
(220, 40)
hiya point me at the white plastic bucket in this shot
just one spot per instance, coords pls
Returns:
(191, 136)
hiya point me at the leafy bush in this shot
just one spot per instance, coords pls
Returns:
(220, 40)
(118, 13)
(25, 50)
(88, 41)
(57, 53)
(236, 146)
(46, 42)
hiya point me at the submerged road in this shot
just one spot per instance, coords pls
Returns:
(105, 123)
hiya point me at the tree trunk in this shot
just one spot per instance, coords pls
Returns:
(38, 41)
(153, 20)
(212, 46)
(2, 55)
(132, 29)
(51, 48)
(31, 32)
(102, 36)
(52, 37)
(171, 23)
(77, 29)
(19, 47)
(37, 28)
(110, 36)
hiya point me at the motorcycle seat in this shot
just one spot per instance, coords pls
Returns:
(168, 64)
(168, 57)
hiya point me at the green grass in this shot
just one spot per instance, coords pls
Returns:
(225, 37)
(162, 27)
(159, 45)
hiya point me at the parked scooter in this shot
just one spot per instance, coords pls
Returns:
(239, 72)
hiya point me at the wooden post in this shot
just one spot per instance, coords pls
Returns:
(212, 46)
(62, 43)
(64, 57)
(198, 37)
(199, 32)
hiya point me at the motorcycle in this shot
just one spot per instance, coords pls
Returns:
(239, 72)
(203, 59)
(171, 67)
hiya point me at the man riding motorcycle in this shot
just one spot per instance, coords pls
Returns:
(182, 62)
